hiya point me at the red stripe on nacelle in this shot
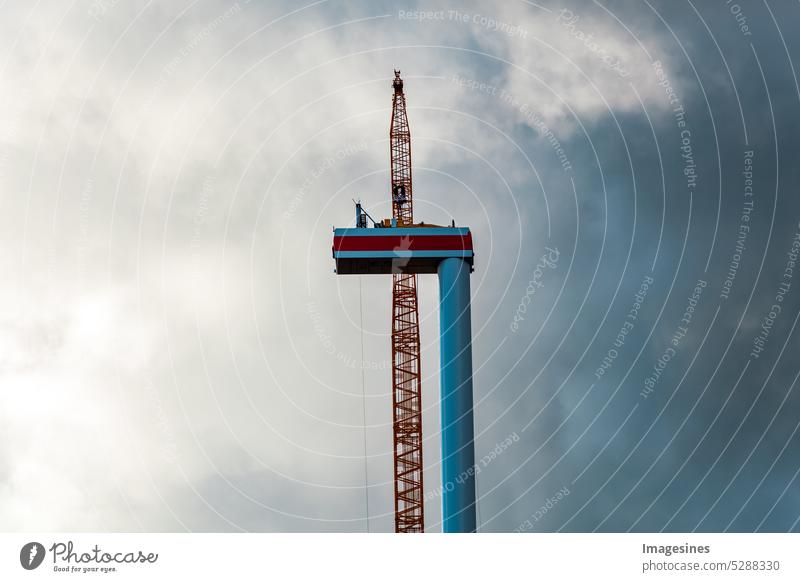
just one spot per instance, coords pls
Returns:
(406, 243)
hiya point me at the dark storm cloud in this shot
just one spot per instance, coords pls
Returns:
(702, 451)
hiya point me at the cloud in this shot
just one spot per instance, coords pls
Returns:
(180, 355)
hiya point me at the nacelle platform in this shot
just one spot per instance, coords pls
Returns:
(416, 250)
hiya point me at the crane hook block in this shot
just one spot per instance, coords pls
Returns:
(398, 83)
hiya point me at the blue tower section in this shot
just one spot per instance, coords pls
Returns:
(458, 434)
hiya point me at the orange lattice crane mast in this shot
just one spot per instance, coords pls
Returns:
(409, 515)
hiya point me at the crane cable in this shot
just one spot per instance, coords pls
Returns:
(363, 402)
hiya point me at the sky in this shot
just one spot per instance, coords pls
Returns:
(177, 353)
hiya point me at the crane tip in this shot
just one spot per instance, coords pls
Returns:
(398, 82)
